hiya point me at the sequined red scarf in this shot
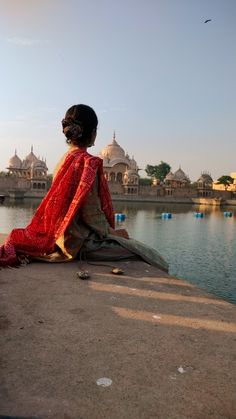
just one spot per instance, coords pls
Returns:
(66, 195)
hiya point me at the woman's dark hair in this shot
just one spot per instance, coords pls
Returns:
(78, 125)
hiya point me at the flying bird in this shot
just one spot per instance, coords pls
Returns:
(208, 20)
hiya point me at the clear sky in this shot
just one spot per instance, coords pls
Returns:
(152, 70)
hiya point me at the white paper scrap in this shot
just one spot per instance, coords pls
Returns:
(104, 382)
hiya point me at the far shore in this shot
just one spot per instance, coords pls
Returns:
(157, 200)
(171, 200)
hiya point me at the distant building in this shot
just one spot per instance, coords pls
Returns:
(30, 168)
(175, 181)
(28, 178)
(204, 185)
(120, 170)
(25, 178)
(230, 188)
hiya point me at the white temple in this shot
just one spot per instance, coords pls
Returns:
(120, 170)
(31, 168)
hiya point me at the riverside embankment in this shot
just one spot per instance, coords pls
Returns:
(167, 346)
(175, 200)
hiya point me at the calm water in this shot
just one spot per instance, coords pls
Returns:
(203, 251)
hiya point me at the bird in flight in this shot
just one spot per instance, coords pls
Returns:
(208, 20)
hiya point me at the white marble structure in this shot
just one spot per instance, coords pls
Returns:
(120, 170)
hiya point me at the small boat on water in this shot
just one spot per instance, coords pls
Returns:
(2, 197)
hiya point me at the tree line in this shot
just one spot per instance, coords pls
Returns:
(161, 170)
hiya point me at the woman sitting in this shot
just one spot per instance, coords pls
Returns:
(76, 218)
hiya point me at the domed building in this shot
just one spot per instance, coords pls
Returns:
(131, 182)
(120, 170)
(31, 168)
(14, 164)
(176, 180)
(169, 178)
(205, 185)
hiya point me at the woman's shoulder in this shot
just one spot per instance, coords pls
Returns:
(91, 156)
(93, 159)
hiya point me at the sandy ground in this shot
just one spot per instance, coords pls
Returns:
(168, 348)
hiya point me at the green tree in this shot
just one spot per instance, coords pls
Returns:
(225, 180)
(145, 181)
(158, 172)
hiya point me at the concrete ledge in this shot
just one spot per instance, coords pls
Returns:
(168, 347)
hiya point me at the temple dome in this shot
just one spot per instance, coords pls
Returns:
(133, 164)
(169, 176)
(14, 162)
(180, 175)
(31, 158)
(113, 151)
(39, 164)
(205, 177)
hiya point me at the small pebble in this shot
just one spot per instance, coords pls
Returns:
(117, 271)
(83, 274)
(181, 370)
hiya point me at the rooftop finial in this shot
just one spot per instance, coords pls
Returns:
(114, 135)
(31, 149)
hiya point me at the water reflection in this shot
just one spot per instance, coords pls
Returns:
(201, 250)
(16, 213)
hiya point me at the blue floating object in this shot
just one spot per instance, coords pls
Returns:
(199, 214)
(166, 215)
(228, 214)
(120, 217)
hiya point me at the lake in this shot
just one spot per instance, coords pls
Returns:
(200, 250)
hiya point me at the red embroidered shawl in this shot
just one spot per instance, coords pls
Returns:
(66, 195)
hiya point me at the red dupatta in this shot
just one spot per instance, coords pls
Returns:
(66, 195)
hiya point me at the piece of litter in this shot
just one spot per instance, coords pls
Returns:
(173, 377)
(146, 270)
(117, 271)
(181, 370)
(82, 274)
(104, 382)
(133, 289)
(156, 317)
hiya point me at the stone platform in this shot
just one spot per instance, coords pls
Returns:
(168, 347)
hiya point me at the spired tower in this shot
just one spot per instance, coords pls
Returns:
(120, 170)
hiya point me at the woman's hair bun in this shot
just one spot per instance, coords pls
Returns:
(78, 125)
(73, 130)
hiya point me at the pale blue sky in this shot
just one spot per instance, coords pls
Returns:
(152, 70)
